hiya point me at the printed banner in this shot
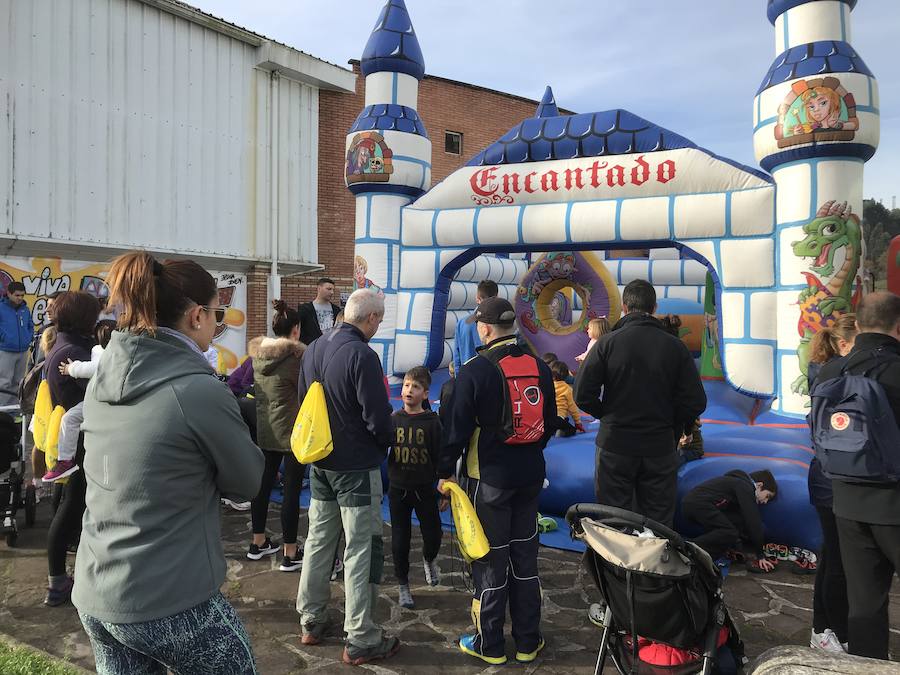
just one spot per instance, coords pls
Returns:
(42, 277)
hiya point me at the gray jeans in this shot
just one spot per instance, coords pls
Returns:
(12, 370)
(348, 501)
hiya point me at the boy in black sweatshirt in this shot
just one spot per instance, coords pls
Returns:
(727, 508)
(412, 470)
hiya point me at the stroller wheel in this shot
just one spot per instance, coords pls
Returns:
(30, 505)
(11, 539)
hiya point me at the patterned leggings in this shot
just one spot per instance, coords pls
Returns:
(208, 638)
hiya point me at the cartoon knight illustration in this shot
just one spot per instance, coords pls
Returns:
(833, 240)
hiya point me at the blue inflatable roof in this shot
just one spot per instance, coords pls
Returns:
(815, 58)
(613, 132)
(393, 46)
(778, 7)
(389, 117)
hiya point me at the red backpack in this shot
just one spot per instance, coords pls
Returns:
(523, 401)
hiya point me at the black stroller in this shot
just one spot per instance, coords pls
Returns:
(657, 587)
(12, 475)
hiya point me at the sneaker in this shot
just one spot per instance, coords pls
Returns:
(803, 567)
(356, 656)
(597, 614)
(528, 657)
(289, 564)
(826, 641)
(59, 596)
(337, 569)
(237, 506)
(432, 572)
(405, 596)
(546, 524)
(257, 552)
(467, 646)
(312, 634)
(63, 468)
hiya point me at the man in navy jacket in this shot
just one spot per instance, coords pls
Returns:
(505, 481)
(345, 486)
(16, 333)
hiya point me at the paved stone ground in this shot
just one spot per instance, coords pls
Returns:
(770, 610)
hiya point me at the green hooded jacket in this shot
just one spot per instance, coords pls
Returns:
(164, 440)
(276, 369)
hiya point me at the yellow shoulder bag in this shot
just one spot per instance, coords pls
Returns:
(43, 408)
(472, 541)
(311, 437)
(51, 442)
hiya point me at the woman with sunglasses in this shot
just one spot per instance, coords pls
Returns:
(276, 370)
(163, 440)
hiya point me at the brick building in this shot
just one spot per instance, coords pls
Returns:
(461, 120)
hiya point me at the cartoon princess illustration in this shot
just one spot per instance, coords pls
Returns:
(822, 107)
(360, 269)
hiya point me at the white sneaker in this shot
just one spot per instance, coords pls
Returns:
(237, 506)
(597, 614)
(432, 572)
(405, 596)
(826, 641)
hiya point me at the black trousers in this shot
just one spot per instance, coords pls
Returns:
(66, 524)
(720, 532)
(647, 485)
(508, 574)
(830, 592)
(424, 502)
(871, 556)
(290, 503)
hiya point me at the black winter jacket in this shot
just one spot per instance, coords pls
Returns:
(358, 406)
(309, 322)
(64, 390)
(734, 493)
(874, 504)
(475, 420)
(651, 388)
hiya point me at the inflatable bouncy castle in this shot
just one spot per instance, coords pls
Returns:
(781, 246)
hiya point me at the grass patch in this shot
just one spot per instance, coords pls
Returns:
(25, 661)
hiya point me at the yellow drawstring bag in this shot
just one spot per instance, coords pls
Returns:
(43, 408)
(472, 542)
(51, 442)
(311, 437)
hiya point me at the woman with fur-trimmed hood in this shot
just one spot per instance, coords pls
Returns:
(276, 369)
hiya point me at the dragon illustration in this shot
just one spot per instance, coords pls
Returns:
(833, 241)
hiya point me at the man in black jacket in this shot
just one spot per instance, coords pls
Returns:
(345, 486)
(318, 316)
(868, 515)
(504, 477)
(651, 395)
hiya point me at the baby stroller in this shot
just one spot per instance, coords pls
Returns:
(12, 475)
(661, 592)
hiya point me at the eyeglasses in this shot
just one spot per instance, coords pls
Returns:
(219, 313)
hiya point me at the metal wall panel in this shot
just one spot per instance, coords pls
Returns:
(123, 125)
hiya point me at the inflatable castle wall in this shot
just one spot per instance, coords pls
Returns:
(783, 248)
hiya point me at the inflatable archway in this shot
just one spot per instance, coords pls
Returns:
(538, 301)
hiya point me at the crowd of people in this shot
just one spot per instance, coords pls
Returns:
(163, 441)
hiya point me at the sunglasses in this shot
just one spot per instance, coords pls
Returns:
(219, 313)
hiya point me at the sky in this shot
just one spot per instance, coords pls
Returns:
(691, 66)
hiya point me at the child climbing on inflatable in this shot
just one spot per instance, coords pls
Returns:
(412, 471)
(727, 509)
(565, 402)
(70, 426)
(596, 328)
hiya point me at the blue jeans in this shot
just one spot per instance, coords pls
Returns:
(208, 638)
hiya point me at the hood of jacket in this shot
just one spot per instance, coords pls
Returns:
(743, 475)
(253, 346)
(638, 319)
(272, 352)
(134, 365)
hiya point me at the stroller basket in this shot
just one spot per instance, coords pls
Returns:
(656, 585)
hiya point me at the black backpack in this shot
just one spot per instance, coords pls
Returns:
(855, 434)
(28, 388)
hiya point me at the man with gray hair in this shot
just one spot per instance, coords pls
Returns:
(346, 485)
